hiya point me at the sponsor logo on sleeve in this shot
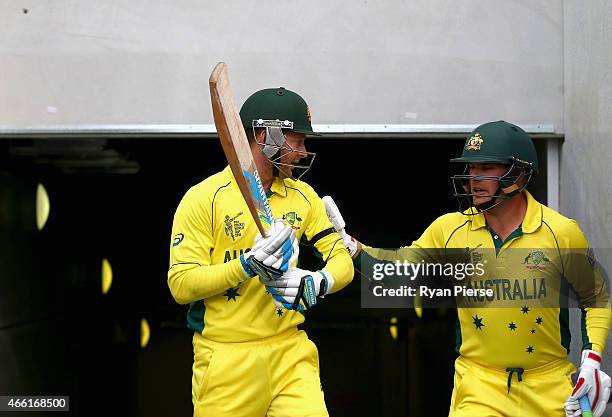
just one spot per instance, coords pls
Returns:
(178, 238)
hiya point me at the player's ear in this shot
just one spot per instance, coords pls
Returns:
(255, 136)
(256, 141)
(260, 134)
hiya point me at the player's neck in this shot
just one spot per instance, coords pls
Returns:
(266, 178)
(264, 168)
(267, 184)
(508, 216)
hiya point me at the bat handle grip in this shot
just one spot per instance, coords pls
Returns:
(585, 406)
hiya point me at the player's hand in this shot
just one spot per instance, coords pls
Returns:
(592, 382)
(298, 289)
(272, 256)
(352, 244)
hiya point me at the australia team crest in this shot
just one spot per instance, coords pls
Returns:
(474, 142)
(293, 220)
(536, 260)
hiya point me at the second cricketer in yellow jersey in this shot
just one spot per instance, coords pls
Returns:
(249, 357)
(513, 361)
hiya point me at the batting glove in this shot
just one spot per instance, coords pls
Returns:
(298, 289)
(592, 382)
(352, 244)
(272, 256)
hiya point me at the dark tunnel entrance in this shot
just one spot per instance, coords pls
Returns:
(114, 198)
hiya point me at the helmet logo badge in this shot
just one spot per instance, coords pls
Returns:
(474, 142)
(308, 114)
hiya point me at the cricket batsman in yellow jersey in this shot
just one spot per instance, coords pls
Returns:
(250, 359)
(513, 361)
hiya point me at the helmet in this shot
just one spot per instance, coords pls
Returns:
(500, 143)
(277, 104)
(278, 110)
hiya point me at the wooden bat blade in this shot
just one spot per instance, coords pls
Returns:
(236, 147)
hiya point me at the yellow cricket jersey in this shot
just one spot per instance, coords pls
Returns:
(523, 335)
(212, 227)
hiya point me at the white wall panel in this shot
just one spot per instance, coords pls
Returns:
(366, 61)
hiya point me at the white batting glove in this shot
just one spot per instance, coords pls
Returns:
(352, 244)
(592, 382)
(298, 289)
(273, 255)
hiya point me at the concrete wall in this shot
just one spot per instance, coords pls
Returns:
(586, 184)
(366, 61)
(586, 176)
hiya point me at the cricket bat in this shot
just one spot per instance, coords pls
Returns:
(236, 147)
(585, 406)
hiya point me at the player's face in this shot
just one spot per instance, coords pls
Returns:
(482, 188)
(296, 142)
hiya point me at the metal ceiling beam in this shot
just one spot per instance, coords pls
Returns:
(208, 130)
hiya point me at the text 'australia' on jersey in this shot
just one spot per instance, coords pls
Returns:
(525, 274)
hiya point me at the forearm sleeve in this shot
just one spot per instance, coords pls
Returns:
(589, 280)
(340, 266)
(192, 282)
(595, 328)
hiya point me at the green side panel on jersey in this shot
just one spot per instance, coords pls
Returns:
(564, 330)
(318, 255)
(195, 316)
(586, 343)
(357, 260)
(458, 338)
(310, 258)
(565, 335)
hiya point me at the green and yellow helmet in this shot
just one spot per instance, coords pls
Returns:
(499, 143)
(277, 104)
(278, 110)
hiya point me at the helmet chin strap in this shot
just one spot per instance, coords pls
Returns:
(514, 188)
(491, 203)
(508, 193)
